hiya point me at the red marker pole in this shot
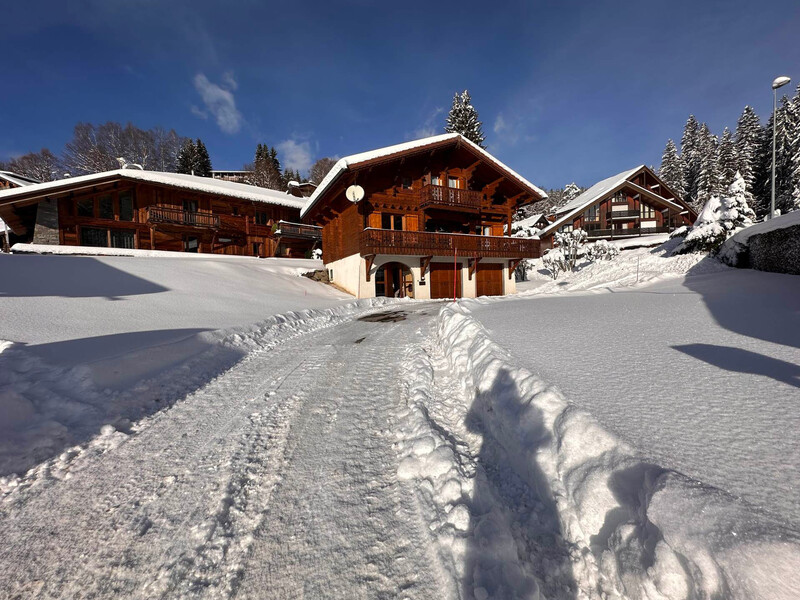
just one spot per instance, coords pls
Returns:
(455, 272)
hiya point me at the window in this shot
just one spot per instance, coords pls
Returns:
(105, 207)
(95, 237)
(122, 239)
(435, 180)
(86, 207)
(566, 228)
(390, 221)
(190, 244)
(190, 206)
(261, 218)
(453, 182)
(256, 249)
(380, 282)
(406, 183)
(591, 214)
(126, 206)
(648, 212)
(620, 198)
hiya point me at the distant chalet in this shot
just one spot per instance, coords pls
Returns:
(633, 203)
(435, 221)
(149, 210)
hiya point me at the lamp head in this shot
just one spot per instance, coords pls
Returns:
(780, 82)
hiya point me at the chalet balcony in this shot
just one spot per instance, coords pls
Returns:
(175, 216)
(623, 214)
(621, 233)
(299, 230)
(428, 243)
(438, 196)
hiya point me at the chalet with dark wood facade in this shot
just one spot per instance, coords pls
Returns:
(149, 210)
(434, 222)
(632, 203)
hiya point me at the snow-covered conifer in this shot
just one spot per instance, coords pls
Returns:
(727, 160)
(187, 157)
(708, 177)
(748, 140)
(690, 156)
(463, 119)
(671, 170)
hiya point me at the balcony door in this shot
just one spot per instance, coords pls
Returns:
(190, 211)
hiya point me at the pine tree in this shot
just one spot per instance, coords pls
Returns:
(720, 219)
(671, 170)
(690, 156)
(187, 158)
(203, 165)
(708, 179)
(727, 163)
(463, 119)
(792, 148)
(748, 140)
(266, 168)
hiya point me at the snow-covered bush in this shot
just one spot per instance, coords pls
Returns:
(681, 232)
(602, 250)
(555, 262)
(316, 253)
(719, 220)
(571, 243)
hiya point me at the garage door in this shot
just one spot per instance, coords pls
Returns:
(442, 276)
(490, 279)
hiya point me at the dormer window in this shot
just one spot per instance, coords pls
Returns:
(436, 180)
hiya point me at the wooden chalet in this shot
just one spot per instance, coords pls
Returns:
(149, 210)
(632, 203)
(9, 180)
(434, 222)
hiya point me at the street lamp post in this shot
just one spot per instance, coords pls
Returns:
(779, 82)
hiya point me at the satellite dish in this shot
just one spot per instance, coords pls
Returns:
(355, 193)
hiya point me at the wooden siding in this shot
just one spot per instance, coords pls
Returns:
(166, 218)
(421, 243)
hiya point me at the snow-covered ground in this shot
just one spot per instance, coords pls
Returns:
(98, 339)
(701, 371)
(398, 449)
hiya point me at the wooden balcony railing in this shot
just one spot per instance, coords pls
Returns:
(175, 216)
(622, 214)
(608, 233)
(446, 197)
(299, 230)
(423, 243)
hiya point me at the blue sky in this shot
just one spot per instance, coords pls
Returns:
(567, 91)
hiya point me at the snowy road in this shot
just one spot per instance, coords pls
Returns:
(277, 479)
(700, 373)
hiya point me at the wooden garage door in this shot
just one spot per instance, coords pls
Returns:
(441, 277)
(490, 279)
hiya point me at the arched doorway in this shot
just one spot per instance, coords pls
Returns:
(394, 280)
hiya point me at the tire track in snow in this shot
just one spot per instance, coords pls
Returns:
(340, 524)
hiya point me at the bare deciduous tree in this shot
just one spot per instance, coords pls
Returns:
(42, 165)
(320, 169)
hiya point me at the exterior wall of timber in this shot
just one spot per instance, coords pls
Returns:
(448, 190)
(240, 227)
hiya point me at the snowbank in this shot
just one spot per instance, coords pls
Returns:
(93, 251)
(775, 245)
(642, 531)
(46, 410)
(631, 267)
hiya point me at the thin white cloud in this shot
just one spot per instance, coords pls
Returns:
(220, 102)
(198, 112)
(428, 127)
(229, 81)
(295, 155)
(499, 124)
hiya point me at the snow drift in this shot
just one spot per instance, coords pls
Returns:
(644, 532)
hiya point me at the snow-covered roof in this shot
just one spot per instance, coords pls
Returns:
(529, 221)
(17, 179)
(597, 191)
(207, 185)
(354, 159)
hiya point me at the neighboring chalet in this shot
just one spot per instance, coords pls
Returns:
(633, 203)
(234, 176)
(533, 223)
(434, 222)
(150, 210)
(9, 180)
